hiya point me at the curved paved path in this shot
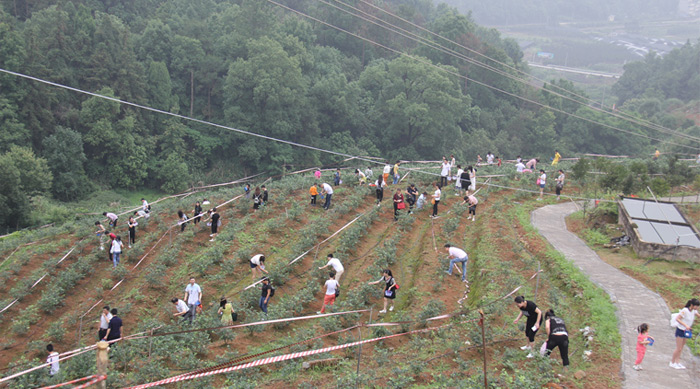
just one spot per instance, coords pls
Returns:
(635, 305)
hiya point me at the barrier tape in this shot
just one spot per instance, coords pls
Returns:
(241, 359)
(279, 358)
(93, 382)
(90, 377)
(42, 277)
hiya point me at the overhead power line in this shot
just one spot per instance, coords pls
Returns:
(456, 74)
(592, 104)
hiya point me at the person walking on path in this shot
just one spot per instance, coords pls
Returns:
(193, 295)
(557, 336)
(336, 177)
(105, 317)
(379, 185)
(458, 180)
(472, 178)
(457, 255)
(541, 181)
(556, 158)
(436, 199)
(197, 212)
(444, 172)
(472, 201)
(642, 342)
(390, 288)
(52, 360)
(534, 318)
(267, 292)
(183, 310)
(257, 199)
(182, 220)
(683, 323)
(397, 176)
(327, 190)
(226, 312)
(132, 230)
(215, 223)
(116, 251)
(386, 171)
(112, 218)
(257, 265)
(313, 192)
(398, 203)
(336, 265)
(330, 287)
(114, 330)
(560, 183)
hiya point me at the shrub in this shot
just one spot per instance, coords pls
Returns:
(594, 237)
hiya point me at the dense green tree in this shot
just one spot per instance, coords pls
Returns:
(23, 175)
(64, 153)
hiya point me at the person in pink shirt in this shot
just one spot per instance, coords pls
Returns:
(317, 174)
(642, 342)
(472, 201)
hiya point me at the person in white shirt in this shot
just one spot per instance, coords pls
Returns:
(331, 286)
(458, 180)
(361, 176)
(337, 266)
(193, 295)
(457, 255)
(542, 182)
(379, 186)
(183, 310)
(328, 191)
(560, 183)
(369, 173)
(472, 178)
(52, 360)
(257, 266)
(444, 172)
(684, 323)
(489, 158)
(145, 208)
(112, 218)
(519, 167)
(436, 199)
(105, 317)
(386, 171)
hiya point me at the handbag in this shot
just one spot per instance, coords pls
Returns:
(432, 201)
(234, 316)
(538, 181)
(401, 205)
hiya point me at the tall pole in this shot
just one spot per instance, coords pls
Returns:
(537, 284)
(102, 361)
(483, 346)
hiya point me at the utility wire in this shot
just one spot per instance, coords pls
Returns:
(622, 115)
(456, 74)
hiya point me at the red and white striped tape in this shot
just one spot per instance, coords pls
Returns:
(279, 358)
(90, 377)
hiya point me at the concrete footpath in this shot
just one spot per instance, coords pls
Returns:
(635, 304)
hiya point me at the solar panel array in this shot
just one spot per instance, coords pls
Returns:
(653, 219)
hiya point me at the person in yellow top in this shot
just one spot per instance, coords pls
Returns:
(396, 172)
(557, 157)
(656, 154)
(313, 191)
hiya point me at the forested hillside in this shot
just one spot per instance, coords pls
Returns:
(305, 77)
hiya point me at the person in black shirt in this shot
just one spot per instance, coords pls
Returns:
(557, 336)
(197, 213)
(214, 224)
(267, 291)
(534, 318)
(257, 198)
(412, 192)
(264, 194)
(114, 331)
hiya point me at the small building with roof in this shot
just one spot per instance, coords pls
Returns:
(659, 229)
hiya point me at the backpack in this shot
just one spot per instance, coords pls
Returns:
(272, 290)
(673, 322)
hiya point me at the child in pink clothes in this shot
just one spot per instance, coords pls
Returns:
(643, 339)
